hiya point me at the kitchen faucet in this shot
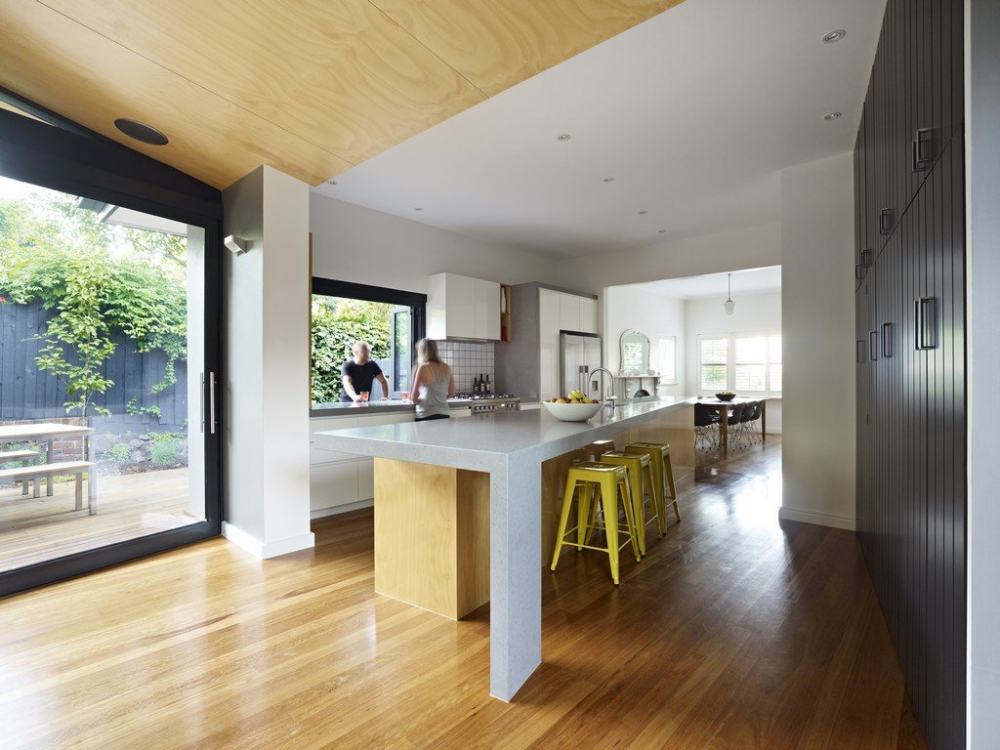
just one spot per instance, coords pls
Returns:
(610, 400)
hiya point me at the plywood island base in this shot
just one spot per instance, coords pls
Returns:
(432, 536)
(432, 523)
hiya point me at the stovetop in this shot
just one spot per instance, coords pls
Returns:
(483, 397)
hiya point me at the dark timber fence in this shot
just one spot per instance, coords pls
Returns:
(27, 392)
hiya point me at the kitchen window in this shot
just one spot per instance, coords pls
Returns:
(667, 360)
(745, 363)
(390, 320)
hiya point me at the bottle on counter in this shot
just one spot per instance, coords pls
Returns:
(486, 385)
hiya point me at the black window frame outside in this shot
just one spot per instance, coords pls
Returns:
(416, 301)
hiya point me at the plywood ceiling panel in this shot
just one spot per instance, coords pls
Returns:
(310, 87)
(496, 44)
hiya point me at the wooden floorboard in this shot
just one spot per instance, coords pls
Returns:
(734, 632)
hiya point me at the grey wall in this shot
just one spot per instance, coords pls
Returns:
(982, 325)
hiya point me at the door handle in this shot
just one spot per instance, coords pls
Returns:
(866, 257)
(211, 403)
(887, 340)
(859, 351)
(923, 149)
(202, 406)
(886, 220)
(873, 346)
(925, 319)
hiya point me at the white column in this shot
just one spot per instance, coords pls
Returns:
(817, 321)
(982, 115)
(265, 382)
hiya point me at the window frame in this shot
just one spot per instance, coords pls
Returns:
(672, 380)
(731, 363)
(416, 301)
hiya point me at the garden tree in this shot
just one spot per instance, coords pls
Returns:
(336, 324)
(95, 279)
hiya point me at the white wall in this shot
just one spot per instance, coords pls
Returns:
(982, 102)
(817, 285)
(719, 252)
(655, 315)
(353, 243)
(266, 399)
(755, 313)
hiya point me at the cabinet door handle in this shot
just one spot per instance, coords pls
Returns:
(923, 149)
(925, 318)
(886, 340)
(859, 272)
(873, 346)
(866, 257)
(859, 351)
(886, 219)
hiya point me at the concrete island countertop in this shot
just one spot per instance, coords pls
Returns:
(510, 447)
(476, 443)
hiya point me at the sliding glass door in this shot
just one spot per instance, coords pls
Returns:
(108, 360)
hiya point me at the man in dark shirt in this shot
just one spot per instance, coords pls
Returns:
(358, 374)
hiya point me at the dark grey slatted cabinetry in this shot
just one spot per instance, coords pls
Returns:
(910, 308)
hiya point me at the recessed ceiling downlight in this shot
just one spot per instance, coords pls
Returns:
(141, 132)
(563, 137)
(608, 179)
(643, 212)
(418, 209)
(833, 116)
(834, 36)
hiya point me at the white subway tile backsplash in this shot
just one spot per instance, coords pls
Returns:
(468, 360)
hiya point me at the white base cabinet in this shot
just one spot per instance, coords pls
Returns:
(339, 480)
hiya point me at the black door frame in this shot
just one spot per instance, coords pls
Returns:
(67, 157)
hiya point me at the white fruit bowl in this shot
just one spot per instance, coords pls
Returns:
(571, 412)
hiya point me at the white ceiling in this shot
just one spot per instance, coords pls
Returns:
(751, 281)
(692, 112)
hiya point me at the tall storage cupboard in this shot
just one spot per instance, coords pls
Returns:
(910, 320)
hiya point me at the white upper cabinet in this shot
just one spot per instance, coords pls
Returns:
(460, 307)
(588, 315)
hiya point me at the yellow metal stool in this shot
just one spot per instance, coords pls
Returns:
(663, 473)
(589, 482)
(596, 448)
(640, 474)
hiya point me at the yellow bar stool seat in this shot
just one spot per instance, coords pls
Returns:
(641, 480)
(663, 473)
(589, 483)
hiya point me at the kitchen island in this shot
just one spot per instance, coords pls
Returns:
(492, 492)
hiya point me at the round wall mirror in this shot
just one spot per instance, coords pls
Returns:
(634, 348)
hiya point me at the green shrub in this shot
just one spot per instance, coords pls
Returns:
(53, 251)
(166, 448)
(120, 453)
(336, 324)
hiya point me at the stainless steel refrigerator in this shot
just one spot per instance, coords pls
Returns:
(579, 355)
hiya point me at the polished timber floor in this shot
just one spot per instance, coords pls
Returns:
(732, 633)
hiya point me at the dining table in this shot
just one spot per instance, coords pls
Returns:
(45, 433)
(724, 408)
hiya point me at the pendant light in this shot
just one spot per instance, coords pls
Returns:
(729, 304)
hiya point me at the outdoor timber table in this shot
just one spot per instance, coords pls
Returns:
(46, 432)
(481, 478)
(724, 408)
